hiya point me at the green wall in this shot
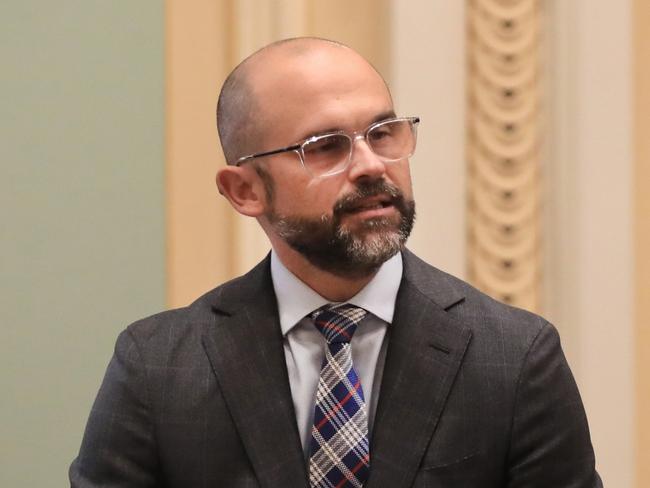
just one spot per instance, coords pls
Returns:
(82, 229)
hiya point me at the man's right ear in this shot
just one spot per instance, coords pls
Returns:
(243, 188)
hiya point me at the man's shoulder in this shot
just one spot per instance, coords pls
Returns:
(193, 318)
(482, 314)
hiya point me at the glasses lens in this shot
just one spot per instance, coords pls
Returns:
(326, 154)
(393, 140)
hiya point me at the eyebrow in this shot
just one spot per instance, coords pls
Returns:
(389, 114)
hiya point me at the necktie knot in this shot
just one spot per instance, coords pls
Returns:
(338, 323)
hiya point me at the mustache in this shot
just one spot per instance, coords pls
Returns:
(369, 189)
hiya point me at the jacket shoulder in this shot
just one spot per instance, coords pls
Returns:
(484, 315)
(172, 325)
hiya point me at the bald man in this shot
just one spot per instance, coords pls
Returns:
(341, 360)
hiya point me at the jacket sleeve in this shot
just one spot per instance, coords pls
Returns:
(550, 444)
(118, 448)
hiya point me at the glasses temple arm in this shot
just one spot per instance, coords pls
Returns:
(243, 159)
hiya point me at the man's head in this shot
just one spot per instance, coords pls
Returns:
(346, 221)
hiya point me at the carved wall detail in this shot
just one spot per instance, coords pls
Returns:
(503, 149)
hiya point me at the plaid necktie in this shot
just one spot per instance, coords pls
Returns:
(340, 455)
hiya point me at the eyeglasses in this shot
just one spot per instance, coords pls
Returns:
(329, 154)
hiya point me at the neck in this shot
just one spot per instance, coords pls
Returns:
(331, 286)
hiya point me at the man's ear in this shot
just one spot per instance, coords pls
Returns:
(243, 188)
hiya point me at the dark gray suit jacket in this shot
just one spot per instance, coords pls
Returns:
(474, 394)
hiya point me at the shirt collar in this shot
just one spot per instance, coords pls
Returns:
(296, 299)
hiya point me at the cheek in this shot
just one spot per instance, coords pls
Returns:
(402, 178)
(406, 182)
(310, 200)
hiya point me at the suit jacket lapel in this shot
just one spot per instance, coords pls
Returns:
(244, 345)
(425, 349)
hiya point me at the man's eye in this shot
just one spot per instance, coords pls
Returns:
(325, 146)
(378, 134)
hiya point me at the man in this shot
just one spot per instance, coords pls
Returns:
(341, 360)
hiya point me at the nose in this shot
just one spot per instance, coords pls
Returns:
(364, 162)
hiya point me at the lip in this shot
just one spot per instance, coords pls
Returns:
(374, 212)
(378, 206)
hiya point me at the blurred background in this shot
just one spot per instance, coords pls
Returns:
(532, 179)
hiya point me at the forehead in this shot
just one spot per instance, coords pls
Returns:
(314, 88)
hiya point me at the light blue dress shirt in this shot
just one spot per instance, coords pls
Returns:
(304, 346)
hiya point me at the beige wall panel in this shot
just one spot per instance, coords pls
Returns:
(428, 79)
(198, 219)
(361, 24)
(642, 250)
(590, 218)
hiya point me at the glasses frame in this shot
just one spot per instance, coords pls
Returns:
(298, 147)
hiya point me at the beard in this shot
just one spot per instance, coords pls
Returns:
(346, 251)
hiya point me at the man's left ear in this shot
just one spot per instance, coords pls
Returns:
(243, 188)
